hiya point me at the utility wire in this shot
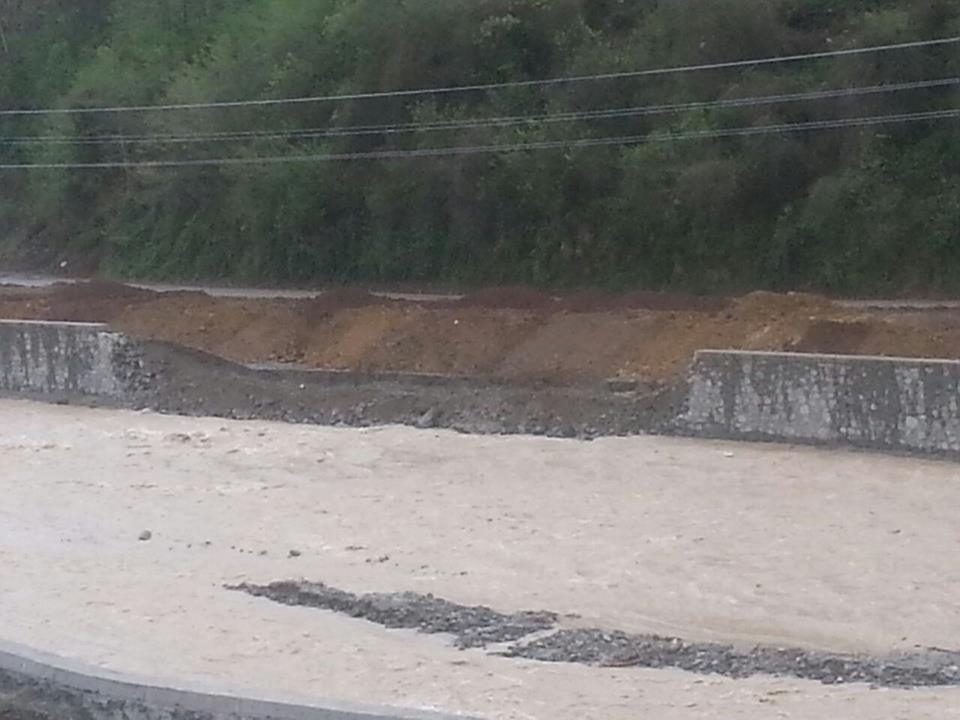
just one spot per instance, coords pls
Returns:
(509, 148)
(489, 86)
(510, 121)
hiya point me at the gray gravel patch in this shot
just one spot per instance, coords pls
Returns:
(471, 626)
(618, 649)
(478, 627)
(180, 381)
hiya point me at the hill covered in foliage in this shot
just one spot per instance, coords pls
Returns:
(695, 205)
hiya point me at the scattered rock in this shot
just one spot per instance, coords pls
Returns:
(294, 554)
(428, 419)
(622, 385)
(145, 535)
(472, 626)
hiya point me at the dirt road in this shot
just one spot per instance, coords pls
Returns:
(705, 541)
(34, 280)
(28, 280)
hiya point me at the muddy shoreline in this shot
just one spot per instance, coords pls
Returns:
(179, 381)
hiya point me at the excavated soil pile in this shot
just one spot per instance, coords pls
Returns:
(511, 333)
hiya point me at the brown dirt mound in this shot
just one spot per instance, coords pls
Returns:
(593, 301)
(339, 299)
(99, 290)
(243, 330)
(10, 293)
(834, 336)
(646, 300)
(95, 301)
(568, 347)
(771, 305)
(417, 338)
(509, 298)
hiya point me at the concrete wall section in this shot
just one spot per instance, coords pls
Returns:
(885, 403)
(75, 358)
(35, 684)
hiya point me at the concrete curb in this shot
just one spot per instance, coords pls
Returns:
(32, 681)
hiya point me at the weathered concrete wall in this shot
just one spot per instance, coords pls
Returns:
(885, 403)
(75, 358)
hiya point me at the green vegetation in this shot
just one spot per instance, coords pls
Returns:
(855, 210)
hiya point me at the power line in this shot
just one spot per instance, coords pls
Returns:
(509, 148)
(509, 121)
(490, 86)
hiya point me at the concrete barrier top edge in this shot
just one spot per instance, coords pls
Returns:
(825, 356)
(63, 673)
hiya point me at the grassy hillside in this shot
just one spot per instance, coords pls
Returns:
(854, 210)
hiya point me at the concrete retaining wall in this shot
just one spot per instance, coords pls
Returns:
(54, 358)
(884, 403)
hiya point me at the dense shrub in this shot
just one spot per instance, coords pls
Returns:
(856, 210)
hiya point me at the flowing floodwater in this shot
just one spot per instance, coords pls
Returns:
(825, 551)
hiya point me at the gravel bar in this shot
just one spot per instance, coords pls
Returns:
(478, 626)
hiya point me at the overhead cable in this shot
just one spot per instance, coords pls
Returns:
(488, 86)
(453, 151)
(510, 121)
